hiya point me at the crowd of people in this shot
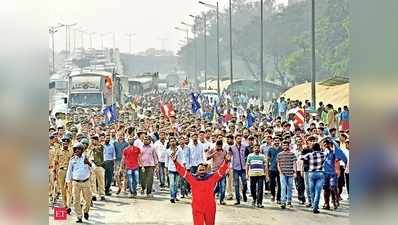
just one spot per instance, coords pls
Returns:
(269, 153)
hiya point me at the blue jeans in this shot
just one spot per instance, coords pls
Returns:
(286, 188)
(174, 180)
(132, 178)
(316, 180)
(220, 189)
(242, 175)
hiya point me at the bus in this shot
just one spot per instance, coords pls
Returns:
(141, 85)
(88, 89)
(58, 88)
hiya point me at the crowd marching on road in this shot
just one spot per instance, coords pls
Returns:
(201, 149)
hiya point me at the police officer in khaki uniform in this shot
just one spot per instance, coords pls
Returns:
(96, 156)
(53, 148)
(62, 158)
(78, 176)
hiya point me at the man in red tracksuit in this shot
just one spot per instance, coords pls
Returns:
(202, 186)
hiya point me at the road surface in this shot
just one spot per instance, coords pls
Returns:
(159, 211)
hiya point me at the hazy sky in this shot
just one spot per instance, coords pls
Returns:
(150, 20)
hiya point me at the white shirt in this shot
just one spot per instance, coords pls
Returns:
(160, 149)
(169, 162)
(138, 143)
(197, 154)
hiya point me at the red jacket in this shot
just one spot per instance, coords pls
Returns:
(203, 198)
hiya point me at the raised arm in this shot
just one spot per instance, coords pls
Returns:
(223, 169)
(338, 152)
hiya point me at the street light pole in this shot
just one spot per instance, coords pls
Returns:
(130, 35)
(67, 35)
(91, 39)
(262, 55)
(218, 42)
(230, 42)
(205, 46)
(195, 51)
(187, 32)
(313, 56)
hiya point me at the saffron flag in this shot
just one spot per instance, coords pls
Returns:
(108, 82)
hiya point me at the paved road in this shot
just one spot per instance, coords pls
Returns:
(159, 211)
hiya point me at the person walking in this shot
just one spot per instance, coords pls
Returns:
(287, 169)
(149, 160)
(239, 152)
(96, 156)
(174, 178)
(160, 147)
(119, 145)
(316, 177)
(78, 176)
(273, 170)
(130, 163)
(217, 156)
(109, 160)
(333, 154)
(203, 184)
(62, 157)
(256, 170)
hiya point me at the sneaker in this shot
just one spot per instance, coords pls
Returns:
(290, 205)
(183, 196)
(79, 220)
(308, 205)
(229, 198)
(102, 198)
(68, 211)
(172, 201)
(142, 192)
(236, 203)
(94, 198)
(222, 203)
(302, 202)
(86, 216)
(260, 206)
(316, 211)
(108, 194)
(177, 200)
(283, 206)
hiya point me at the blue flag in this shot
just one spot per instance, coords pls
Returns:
(110, 114)
(195, 103)
(250, 119)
